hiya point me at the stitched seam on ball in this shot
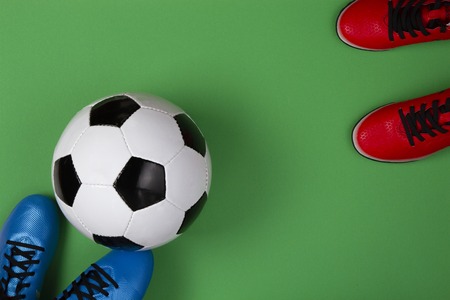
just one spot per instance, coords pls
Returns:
(170, 161)
(78, 139)
(128, 225)
(176, 154)
(176, 206)
(181, 149)
(81, 222)
(123, 168)
(153, 108)
(126, 143)
(97, 184)
(207, 175)
(157, 110)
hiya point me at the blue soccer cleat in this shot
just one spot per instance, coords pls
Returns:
(27, 243)
(119, 275)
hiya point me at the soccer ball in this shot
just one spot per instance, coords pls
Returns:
(131, 171)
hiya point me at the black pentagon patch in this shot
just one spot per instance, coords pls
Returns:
(113, 111)
(66, 180)
(192, 213)
(141, 183)
(117, 242)
(192, 136)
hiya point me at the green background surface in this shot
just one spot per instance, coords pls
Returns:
(294, 212)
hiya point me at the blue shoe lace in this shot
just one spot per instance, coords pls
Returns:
(89, 284)
(20, 261)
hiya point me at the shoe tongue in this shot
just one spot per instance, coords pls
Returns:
(448, 16)
(444, 119)
(433, 16)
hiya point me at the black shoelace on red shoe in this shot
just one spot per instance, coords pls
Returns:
(408, 18)
(20, 260)
(424, 121)
(90, 283)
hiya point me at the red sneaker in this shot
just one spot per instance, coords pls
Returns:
(386, 24)
(405, 131)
